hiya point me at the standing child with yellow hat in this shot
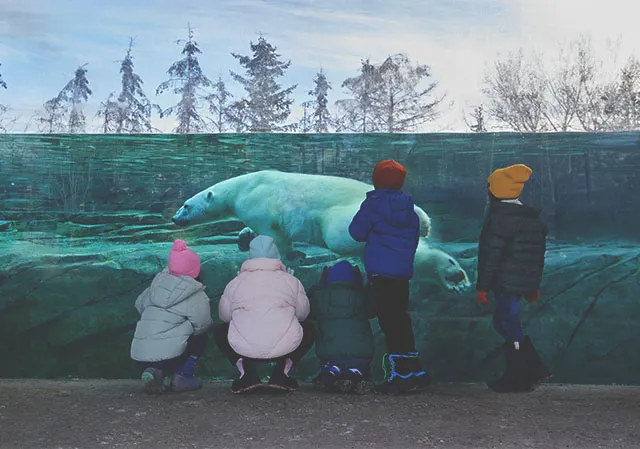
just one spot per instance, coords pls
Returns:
(510, 263)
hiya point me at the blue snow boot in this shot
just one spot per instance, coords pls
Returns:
(399, 376)
(326, 380)
(184, 378)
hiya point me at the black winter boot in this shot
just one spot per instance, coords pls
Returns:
(536, 372)
(398, 375)
(514, 379)
(280, 378)
(248, 379)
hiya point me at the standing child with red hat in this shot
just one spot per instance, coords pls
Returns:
(388, 224)
(510, 263)
(174, 317)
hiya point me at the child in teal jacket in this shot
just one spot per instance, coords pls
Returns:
(344, 344)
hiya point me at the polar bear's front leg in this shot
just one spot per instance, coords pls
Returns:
(289, 255)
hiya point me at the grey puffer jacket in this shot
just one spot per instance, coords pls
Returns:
(172, 309)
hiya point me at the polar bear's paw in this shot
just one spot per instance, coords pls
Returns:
(435, 267)
(244, 239)
(456, 280)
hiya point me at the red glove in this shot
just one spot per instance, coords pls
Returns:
(531, 297)
(482, 298)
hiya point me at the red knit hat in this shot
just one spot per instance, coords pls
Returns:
(389, 174)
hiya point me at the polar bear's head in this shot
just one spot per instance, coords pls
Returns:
(437, 267)
(203, 207)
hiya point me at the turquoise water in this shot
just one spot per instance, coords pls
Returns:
(85, 222)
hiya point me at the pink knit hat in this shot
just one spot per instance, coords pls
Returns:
(183, 261)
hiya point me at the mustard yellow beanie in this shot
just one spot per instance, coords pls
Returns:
(507, 183)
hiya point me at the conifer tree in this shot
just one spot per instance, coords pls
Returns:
(69, 101)
(3, 108)
(187, 80)
(76, 92)
(131, 112)
(2, 83)
(304, 124)
(267, 106)
(320, 117)
(220, 107)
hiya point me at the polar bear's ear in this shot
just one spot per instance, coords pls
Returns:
(209, 195)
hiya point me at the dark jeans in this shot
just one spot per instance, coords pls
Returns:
(196, 345)
(391, 297)
(221, 337)
(506, 317)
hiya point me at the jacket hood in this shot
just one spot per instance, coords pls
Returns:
(263, 246)
(262, 264)
(168, 290)
(343, 271)
(394, 206)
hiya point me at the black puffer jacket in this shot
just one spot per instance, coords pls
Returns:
(512, 248)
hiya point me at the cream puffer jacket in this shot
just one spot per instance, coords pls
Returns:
(172, 309)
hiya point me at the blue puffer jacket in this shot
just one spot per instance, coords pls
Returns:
(390, 227)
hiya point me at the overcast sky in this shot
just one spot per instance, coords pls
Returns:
(42, 42)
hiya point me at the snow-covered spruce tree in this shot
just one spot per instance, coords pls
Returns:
(304, 124)
(186, 79)
(76, 92)
(220, 107)
(53, 118)
(628, 97)
(320, 117)
(3, 108)
(109, 112)
(131, 112)
(2, 83)
(267, 106)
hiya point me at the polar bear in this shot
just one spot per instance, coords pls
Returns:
(315, 209)
(294, 207)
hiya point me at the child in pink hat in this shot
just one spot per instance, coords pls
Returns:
(174, 316)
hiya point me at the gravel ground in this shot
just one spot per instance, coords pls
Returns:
(117, 414)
